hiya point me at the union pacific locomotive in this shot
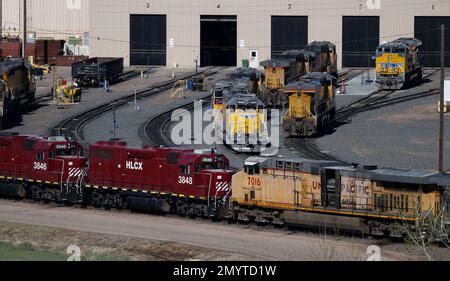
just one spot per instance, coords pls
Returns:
(398, 63)
(312, 105)
(240, 114)
(277, 191)
(325, 194)
(17, 88)
(292, 64)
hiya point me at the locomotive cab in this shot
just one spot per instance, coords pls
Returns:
(311, 104)
(246, 124)
(398, 62)
(206, 175)
(48, 168)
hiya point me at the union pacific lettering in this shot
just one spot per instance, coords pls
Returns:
(316, 185)
(135, 166)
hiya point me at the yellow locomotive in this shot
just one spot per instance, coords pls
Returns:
(326, 194)
(17, 88)
(292, 64)
(312, 104)
(241, 116)
(320, 56)
(398, 63)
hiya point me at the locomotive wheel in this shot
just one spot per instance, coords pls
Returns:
(36, 194)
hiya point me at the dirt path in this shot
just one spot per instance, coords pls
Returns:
(115, 247)
(179, 238)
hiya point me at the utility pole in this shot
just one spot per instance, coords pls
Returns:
(441, 104)
(24, 41)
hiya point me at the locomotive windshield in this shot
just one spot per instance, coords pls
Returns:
(66, 150)
(213, 163)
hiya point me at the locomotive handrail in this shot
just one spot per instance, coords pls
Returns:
(209, 188)
(62, 173)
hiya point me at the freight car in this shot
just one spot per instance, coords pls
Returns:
(312, 105)
(17, 89)
(398, 63)
(326, 194)
(95, 71)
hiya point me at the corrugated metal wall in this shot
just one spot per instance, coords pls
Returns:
(48, 18)
(109, 21)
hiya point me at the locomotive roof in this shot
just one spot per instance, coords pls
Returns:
(181, 156)
(232, 82)
(372, 173)
(306, 165)
(396, 175)
(13, 64)
(277, 62)
(315, 48)
(244, 99)
(290, 54)
(404, 42)
(409, 42)
(317, 76)
(303, 86)
(33, 142)
(249, 73)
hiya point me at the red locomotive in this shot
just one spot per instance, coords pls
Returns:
(45, 168)
(188, 182)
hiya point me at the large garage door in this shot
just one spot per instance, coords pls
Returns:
(360, 39)
(288, 33)
(427, 29)
(148, 40)
(218, 40)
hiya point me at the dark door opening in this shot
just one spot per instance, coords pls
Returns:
(289, 33)
(148, 39)
(360, 39)
(331, 189)
(218, 37)
(427, 29)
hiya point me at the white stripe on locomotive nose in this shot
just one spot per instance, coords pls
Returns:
(222, 186)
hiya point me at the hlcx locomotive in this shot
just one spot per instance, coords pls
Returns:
(194, 183)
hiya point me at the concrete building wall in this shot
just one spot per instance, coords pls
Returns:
(56, 19)
(108, 21)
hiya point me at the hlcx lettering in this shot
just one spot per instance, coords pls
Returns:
(138, 166)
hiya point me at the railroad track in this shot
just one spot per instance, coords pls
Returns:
(374, 100)
(49, 97)
(349, 75)
(72, 127)
(156, 131)
(378, 99)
